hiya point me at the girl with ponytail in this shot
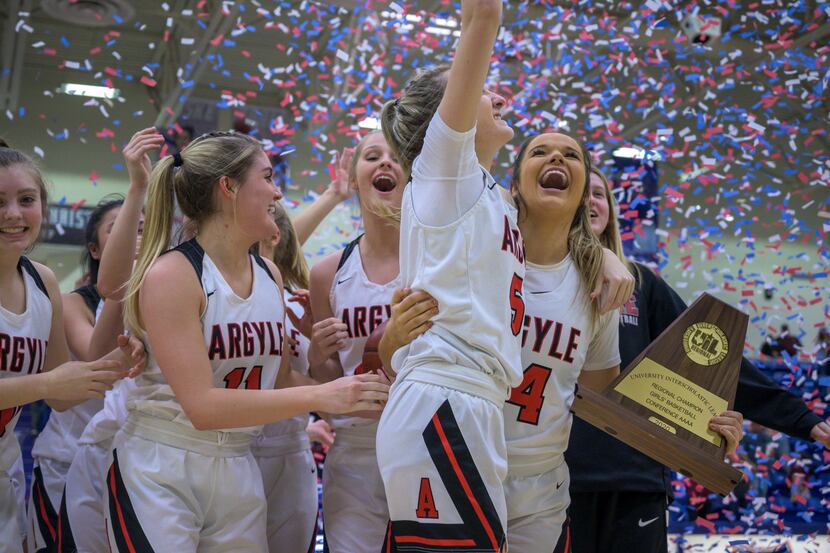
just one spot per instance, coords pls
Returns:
(212, 315)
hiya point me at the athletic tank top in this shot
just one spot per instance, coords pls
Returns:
(23, 341)
(243, 336)
(363, 305)
(298, 360)
(557, 343)
(474, 268)
(59, 439)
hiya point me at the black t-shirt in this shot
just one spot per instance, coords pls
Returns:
(599, 462)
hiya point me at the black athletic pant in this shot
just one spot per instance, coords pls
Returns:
(616, 522)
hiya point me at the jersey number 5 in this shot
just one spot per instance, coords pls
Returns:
(529, 395)
(233, 380)
(517, 305)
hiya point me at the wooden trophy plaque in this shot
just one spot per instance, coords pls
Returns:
(662, 402)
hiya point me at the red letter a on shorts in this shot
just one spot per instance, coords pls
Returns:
(426, 503)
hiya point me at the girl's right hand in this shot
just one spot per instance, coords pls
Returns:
(79, 380)
(136, 155)
(363, 392)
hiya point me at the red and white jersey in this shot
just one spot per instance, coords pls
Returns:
(558, 341)
(243, 336)
(362, 305)
(298, 360)
(23, 341)
(473, 266)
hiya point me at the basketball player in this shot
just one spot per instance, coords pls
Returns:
(350, 295)
(564, 339)
(213, 317)
(31, 318)
(283, 450)
(619, 498)
(56, 445)
(460, 244)
(82, 521)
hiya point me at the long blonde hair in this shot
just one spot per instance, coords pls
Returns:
(191, 184)
(583, 245)
(610, 236)
(288, 255)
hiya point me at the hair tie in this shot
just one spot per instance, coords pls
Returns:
(177, 160)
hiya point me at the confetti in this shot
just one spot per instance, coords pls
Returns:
(733, 204)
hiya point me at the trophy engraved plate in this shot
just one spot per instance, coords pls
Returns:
(662, 402)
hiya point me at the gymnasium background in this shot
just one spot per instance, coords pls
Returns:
(712, 117)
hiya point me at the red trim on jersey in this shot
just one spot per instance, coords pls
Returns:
(44, 517)
(121, 521)
(434, 541)
(464, 484)
(42, 510)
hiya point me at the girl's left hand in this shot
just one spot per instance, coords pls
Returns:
(134, 353)
(616, 283)
(730, 425)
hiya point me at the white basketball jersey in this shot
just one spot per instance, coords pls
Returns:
(59, 439)
(243, 336)
(107, 421)
(23, 341)
(298, 360)
(363, 306)
(557, 343)
(474, 268)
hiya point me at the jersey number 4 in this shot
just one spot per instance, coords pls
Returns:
(235, 378)
(529, 395)
(517, 305)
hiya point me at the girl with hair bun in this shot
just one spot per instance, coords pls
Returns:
(461, 244)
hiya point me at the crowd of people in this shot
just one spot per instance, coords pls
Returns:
(202, 342)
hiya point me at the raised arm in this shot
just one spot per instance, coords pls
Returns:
(119, 253)
(310, 218)
(480, 21)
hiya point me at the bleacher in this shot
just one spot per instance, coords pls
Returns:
(787, 489)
